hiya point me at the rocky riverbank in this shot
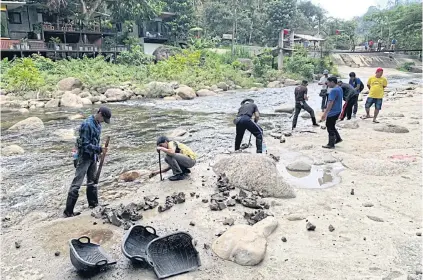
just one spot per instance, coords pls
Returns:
(356, 214)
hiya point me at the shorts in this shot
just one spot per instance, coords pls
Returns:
(377, 101)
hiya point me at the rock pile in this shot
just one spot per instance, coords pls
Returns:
(175, 198)
(122, 215)
(256, 216)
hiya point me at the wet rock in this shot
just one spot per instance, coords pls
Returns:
(221, 205)
(230, 202)
(251, 203)
(116, 94)
(69, 84)
(368, 204)
(185, 92)
(192, 223)
(331, 228)
(285, 109)
(71, 100)
(352, 192)
(159, 89)
(310, 226)
(205, 92)
(228, 222)
(86, 101)
(254, 89)
(287, 134)
(214, 206)
(168, 204)
(374, 218)
(419, 233)
(132, 175)
(57, 253)
(256, 216)
(390, 128)
(205, 200)
(28, 125)
(23, 111)
(284, 239)
(276, 135)
(239, 167)
(282, 140)
(12, 150)
(299, 165)
(192, 194)
(53, 103)
(244, 245)
(223, 86)
(18, 244)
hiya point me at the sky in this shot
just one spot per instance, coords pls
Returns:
(347, 9)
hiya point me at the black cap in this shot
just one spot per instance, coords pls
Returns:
(106, 113)
(247, 100)
(162, 139)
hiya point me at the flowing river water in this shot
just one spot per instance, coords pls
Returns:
(39, 179)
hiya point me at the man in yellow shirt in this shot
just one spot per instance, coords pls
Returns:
(179, 157)
(376, 85)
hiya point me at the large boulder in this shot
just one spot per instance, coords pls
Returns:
(164, 52)
(254, 172)
(53, 103)
(186, 92)
(115, 94)
(132, 175)
(391, 128)
(12, 150)
(275, 84)
(299, 165)
(69, 84)
(28, 125)
(205, 92)
(244, 244)
(222, 85)
(246, 63)
(158, 89)
(290, 82)
(86, 101)
(285, 109)
(172, 98)
(71, 100)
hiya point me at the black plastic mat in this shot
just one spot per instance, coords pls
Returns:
(173, 254)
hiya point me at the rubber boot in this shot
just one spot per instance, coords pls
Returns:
(331, 144)
(70, 205)
(92, 196)
(314, 121)
(259, 145)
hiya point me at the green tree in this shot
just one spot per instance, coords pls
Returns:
(280, 14)
(184, 17)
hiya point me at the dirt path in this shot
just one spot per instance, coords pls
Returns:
(384, 169)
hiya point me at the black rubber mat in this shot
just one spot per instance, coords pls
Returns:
(173, 254)
(135, 241)
(86, 256)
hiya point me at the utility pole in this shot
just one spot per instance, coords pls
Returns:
(233, 31)
(280, 46)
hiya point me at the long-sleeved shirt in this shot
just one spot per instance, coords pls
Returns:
(348, 91)
(89, 138)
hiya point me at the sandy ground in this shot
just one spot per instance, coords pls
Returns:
(358, 248)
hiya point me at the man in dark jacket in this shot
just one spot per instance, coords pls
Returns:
(350, 97)
(300, 103)
(89, 149)
(243, 122)
(358, 85)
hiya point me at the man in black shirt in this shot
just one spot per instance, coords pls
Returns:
(350, 97)
(300, 103)
(243, 122)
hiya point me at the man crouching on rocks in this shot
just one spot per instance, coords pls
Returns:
(179, 157)
(89, 149)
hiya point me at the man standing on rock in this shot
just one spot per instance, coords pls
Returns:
(179, 157)
(350, 97)
(358, 85)
(376, 85)
(332, 112)
(324, 91)
(300, 103)
(89, 149)
(243, 122)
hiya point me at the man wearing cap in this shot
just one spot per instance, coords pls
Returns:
(179, 157)
(376, 85)
(300, 103)
(332, 113)
(324, 90)
(89, 149)
(243, 122)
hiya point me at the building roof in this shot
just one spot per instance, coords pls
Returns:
(13, 4)
(308, 37)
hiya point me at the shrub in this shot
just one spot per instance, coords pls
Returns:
(23, 75)
(135, 56)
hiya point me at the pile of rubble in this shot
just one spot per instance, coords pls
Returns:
(255, 216)
(127, 215)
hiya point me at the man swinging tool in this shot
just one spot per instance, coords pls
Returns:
(89, 149)
(300, 103)
(243, 122)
